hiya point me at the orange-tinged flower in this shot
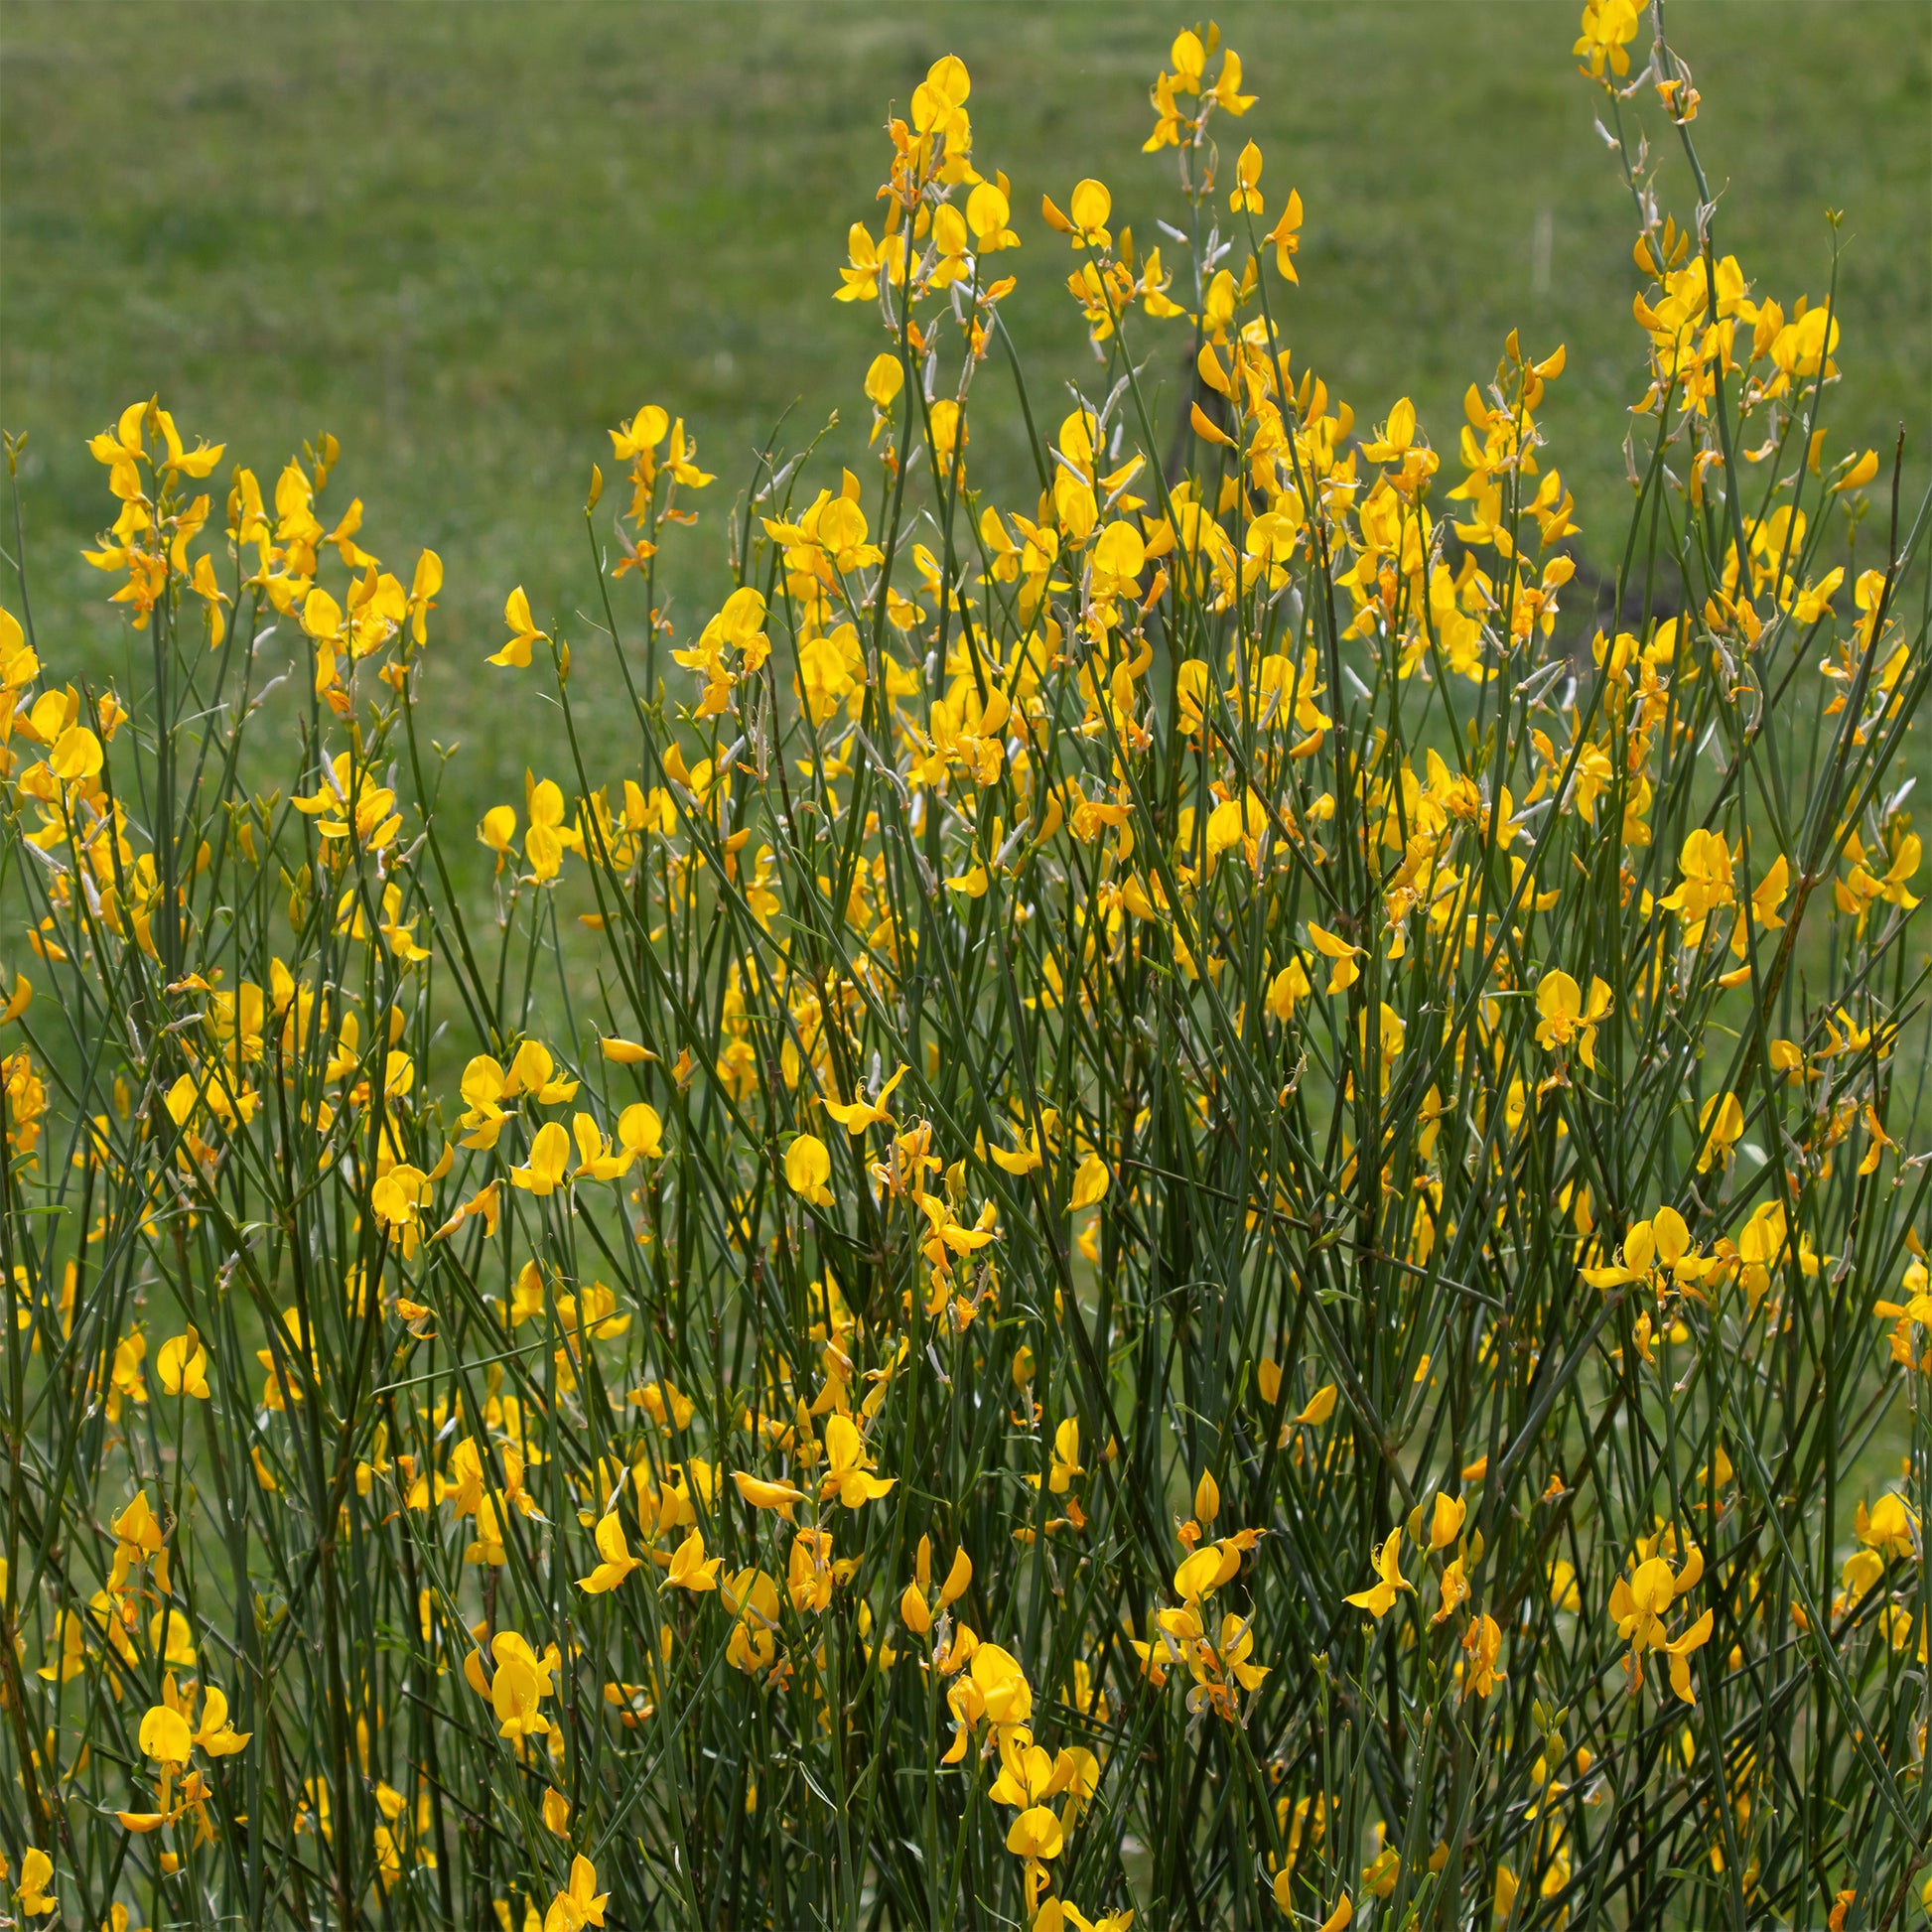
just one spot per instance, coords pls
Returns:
(808, 1571)
(1483, 1644)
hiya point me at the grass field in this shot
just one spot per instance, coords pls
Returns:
(466, 238)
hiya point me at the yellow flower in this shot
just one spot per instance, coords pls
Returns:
(1204, 1572)
(884, 378)
(808, 1571)
(423, 587)
(1090, 205)
(77, 755)
(1207, 1499)
(1565, 1017)
(1482, 1643)
(1447, 1519)
(1320, 1406)
(216, 1735)
(625, 1052)
(397, 1195)
(523, 633)
(549, 1160)
(171, 1634)
(916, 1610)
(856, 1116)
(1066, 1457)
(1337, 1921)
(808, 1166)
(1720, 1122)
(690, 1569)
(1285, 238)
(1090, 1183)
(598, 1159)
(988, 210)
(1226, 90)
(1034, 1836)
(1707, 884)
(1379, 1598)
(781, 1496)
(1332, 947)
(36, 1874)
(753, 1599)
(498, 829)
(618, 1562)
(166, 1736)
(183, 1366)
(1193, 683)
(1642, 1601)
(1236, 1644)
(520, 1685)
(579, 1903)
(641, 1131)
(1891, 1527)
(867, 260)
(1610, 25)
(847, 1474)
(1247, 176)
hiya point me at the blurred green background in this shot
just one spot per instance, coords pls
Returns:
(467, 238)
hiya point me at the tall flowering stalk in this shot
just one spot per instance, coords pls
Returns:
(1193, 1206)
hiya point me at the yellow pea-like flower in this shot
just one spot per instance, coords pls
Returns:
(523, 633)
(808, 1166)
(545, 1170)
(166, 1736)
(181, 1366)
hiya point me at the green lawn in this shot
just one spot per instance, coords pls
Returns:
(467, 238)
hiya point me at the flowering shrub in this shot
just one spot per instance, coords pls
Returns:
(1190, 1209)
